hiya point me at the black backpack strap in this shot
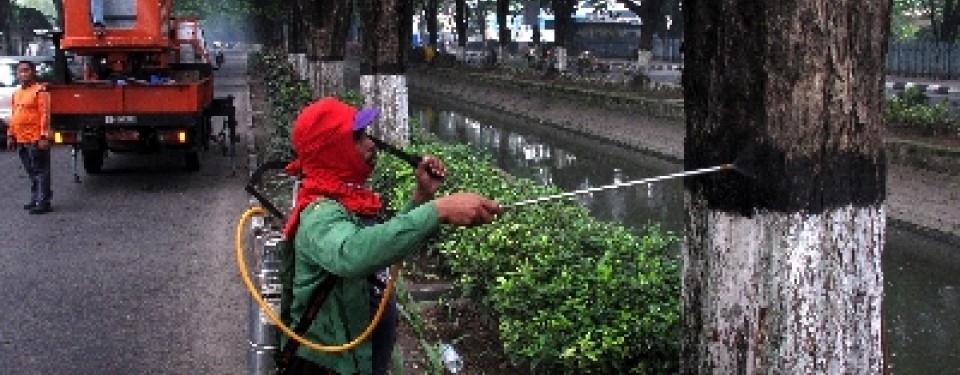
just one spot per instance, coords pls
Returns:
(316, 300)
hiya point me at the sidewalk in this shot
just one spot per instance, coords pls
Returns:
(927, 85)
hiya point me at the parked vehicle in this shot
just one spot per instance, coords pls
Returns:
(147, 84)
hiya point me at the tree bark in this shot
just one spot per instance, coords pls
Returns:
(675, 11)
(267, 30)
(782, 267)
(295, 33)
(951, 21)
(563, 32)
(330, 43)
(6, 12)
(433, 7)
(461, 18)
(651, 16)
(503, 37)
(563, 20)
(386, 35)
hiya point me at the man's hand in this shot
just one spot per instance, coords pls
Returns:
(427, 185)
(43, 144)
(467, 209)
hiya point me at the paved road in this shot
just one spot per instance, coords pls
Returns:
(133, 272)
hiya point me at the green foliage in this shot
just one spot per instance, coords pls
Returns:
(913, 96)
(910, 110)
(573, 295)
(352, 97)
(286, 95)
(207, 8)
(903, 25)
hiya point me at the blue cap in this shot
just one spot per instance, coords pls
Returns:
(364, 118)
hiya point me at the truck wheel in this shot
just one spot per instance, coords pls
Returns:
(92, 161)
(193, 160)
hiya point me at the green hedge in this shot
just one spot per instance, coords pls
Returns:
(911, 110)
(286, 95)
(573, 295)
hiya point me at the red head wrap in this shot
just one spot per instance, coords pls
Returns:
(328, 161)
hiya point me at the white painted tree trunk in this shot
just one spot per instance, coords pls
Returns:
(313, 77)
(389, 94)
(298, 61)
(303, 66)
(329, 77)
(784, 293)
(561, 59)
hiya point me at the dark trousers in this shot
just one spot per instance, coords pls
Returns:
(36, 162)
(383, 339)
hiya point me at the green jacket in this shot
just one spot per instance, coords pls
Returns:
(330, 239)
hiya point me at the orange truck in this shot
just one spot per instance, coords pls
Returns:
(146, 83)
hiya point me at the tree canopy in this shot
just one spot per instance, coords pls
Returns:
(931, 20)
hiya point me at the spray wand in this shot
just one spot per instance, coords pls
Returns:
(718, 168)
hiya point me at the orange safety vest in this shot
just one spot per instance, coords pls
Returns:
(30, 119)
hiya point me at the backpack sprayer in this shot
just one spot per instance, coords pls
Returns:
(263, 333)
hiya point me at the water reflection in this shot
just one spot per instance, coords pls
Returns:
(569, 166)
(921, 276)
(921, 305)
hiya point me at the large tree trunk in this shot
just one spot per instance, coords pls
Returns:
(533, 7)
(651, 18)
(267, 30)
(386, 35)
(433, 7)
(563, 32)
(461, 18)
(330, 42)
(951, 21)
(296, 43)
(782, 269)
(6, 12)
(503, 35)
(675, 10)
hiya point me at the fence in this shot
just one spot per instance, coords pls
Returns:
(667, 49)
(924, 59)
(914, 59)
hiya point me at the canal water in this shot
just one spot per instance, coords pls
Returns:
(921, 274)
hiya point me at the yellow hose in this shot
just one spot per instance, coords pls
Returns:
(242, 264)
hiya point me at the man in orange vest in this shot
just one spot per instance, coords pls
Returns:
(29, 132)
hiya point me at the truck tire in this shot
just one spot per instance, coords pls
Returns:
(92, 161)
(192, 159)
